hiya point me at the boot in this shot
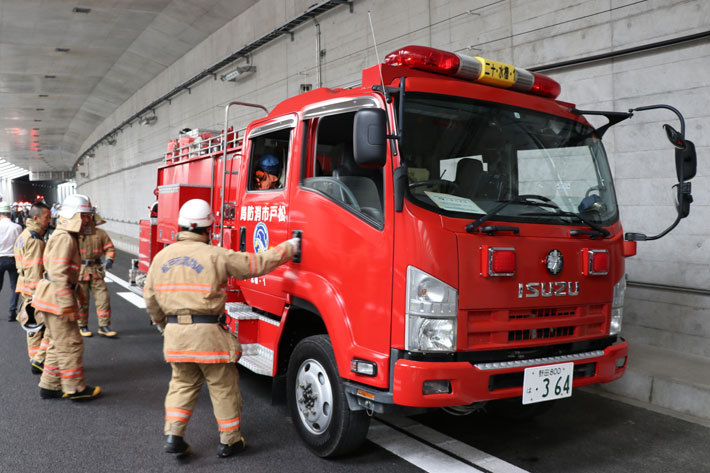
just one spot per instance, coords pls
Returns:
(176, 445)
(85, 332)
(224, 451)
(36, 366)
(106, 331)
(88, 394)
(50, 393)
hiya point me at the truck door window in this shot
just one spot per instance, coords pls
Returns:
(336, 175)
(269, 157)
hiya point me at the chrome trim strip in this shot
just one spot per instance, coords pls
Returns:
(501, 365)
(339, 106)
(280, 124)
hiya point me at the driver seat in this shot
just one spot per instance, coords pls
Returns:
(469, 174)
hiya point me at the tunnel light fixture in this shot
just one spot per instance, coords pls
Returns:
(11, 171)
(81, 10)
(240, 73)
(50, 76)
(147, 120)
(62, 50)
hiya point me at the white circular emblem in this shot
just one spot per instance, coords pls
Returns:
(554, 262)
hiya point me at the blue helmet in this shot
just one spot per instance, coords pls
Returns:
(269, 163)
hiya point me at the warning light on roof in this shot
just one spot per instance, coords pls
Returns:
(475, 69)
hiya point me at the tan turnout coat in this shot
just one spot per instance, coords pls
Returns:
(92, 248)
(62, 262)
(28, 249)
(189, 277)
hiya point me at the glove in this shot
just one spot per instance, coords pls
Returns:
(108, 264)
(160, 326)
(296, 243)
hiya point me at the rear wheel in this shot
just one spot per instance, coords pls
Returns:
(317, 401)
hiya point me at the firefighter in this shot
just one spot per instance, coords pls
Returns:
(29, 248)
(56, 302)
(185, 293)
(267, 172)
(92, 247)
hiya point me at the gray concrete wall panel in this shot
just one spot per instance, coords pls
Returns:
(526, 33)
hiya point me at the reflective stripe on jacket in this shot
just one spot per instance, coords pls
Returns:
(190, 277)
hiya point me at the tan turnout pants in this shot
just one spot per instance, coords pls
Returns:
(63, 365)
(222, 381)
(101, 298)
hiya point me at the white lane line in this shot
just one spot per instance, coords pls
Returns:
(418, 454)
(133, 298)
(421, 437)
(117, 280)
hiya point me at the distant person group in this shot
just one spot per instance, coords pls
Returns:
(54, 277)
(184, 297)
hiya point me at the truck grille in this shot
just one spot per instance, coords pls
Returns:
(498, 329)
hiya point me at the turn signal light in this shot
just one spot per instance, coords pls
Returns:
(597, 262)
(497, 261)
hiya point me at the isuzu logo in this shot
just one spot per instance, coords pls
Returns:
(548, 289)
(554, 262)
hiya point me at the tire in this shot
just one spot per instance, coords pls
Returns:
(514, 410)
(317, 401)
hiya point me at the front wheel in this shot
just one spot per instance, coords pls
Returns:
(317, 402)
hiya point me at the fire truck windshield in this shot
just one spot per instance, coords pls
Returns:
(466, 157)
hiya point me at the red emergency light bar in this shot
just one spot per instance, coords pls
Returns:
(475, 69)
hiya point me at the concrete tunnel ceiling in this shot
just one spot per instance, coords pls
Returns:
(66, 65)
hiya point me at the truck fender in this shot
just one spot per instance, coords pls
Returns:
(329, 305)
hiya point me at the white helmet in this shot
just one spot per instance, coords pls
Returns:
(5, 208)
(73, 204)
(30, 321)
(195, 213)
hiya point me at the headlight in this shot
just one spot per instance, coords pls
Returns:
(617, 306)
(431, 313)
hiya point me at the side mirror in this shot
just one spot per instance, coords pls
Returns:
(686, 162)
(369, 138)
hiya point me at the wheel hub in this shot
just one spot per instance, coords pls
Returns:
(314, 396)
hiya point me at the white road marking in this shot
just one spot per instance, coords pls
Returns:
(117, 280)
(415, 446)
(133, 298)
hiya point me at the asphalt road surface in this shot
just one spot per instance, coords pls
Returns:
(122, 431)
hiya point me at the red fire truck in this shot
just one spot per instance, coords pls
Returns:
(460, 234)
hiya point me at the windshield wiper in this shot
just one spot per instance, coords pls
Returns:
(527, 199)
(537, 201)
(558, 212)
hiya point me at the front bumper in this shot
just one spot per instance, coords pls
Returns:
(475, 382)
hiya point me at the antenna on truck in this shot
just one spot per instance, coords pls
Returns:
(377, 54)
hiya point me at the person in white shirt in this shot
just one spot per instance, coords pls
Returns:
(9, 231)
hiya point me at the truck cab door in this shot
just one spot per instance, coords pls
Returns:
(262, 214)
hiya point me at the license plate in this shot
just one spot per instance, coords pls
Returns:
(548, 382)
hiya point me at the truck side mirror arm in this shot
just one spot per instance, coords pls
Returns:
(685, 161)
